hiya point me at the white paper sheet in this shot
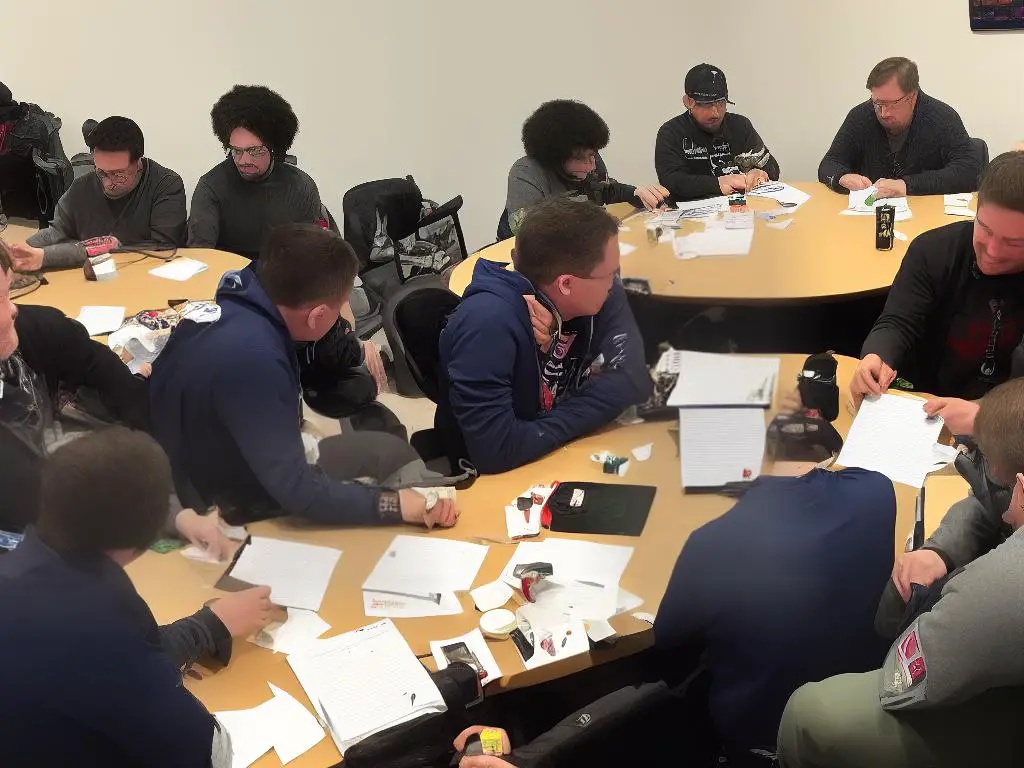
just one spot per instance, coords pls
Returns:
(281, 723)
(625, 249)
(250, 739)
(599, 630)
(958, 205)
(643, 452)
(297, 574)
(568, 639)
(517, 525)
(779, 224)
(572, 559)
(101, 320)
(475, 642)
(421, 565)
(491, 596)
(389, 604)
(694, 209)
(364, 681)
(572, 599)
(857, 201)
(720, 445)
(892, 435)
(296, 634)
(707, 379)
(781, 193)
(180, 269)
(715, 242)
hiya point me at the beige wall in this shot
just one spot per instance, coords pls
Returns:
(439, 89)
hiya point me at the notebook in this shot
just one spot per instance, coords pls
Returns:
(709, 380)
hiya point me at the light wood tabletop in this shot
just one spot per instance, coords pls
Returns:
(175, 586)
(821, 256)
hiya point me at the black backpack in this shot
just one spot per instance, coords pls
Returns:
(35, 138)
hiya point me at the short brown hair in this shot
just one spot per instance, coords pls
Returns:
(999, 429)
(6, 263)
(562, 237)
(110, 489)
(904, 69)
(306, 264)
(1002, 182)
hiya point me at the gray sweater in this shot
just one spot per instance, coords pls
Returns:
(152, 214)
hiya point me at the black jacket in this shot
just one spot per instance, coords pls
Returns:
(61, 353)
(937, 325)
(689, 159)
(936, 158)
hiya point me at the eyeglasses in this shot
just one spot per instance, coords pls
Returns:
(709, 105)
(585, 157)
(254, 152)
(880, 105)
(118, 177)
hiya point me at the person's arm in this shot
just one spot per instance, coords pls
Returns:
(967, 644)
(751, 143)
(264, 424)
(187, 640)
(480, 359)
(960, 170)
(204, 220)
(618, 192)
(167, 217)
(525, 189)
(670, 163)
(967, 531)
(907, 309)
(844, 156)
(681, 617)
(59, 241)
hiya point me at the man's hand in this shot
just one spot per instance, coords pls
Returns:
(652, 196)
(414, 510)
(756, 176)
(958, 414)
(890, 188)
(854, 182)
(734, 182)
(375, 365)
(872, 377)
(26, 258)
(921, 567)
(791, 402)
(244, 613)
(204, 531)
(542, 320)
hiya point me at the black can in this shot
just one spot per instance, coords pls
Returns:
(885, 226)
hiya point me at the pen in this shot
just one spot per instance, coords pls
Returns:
(919, 520)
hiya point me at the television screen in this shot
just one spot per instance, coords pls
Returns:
(997, 14)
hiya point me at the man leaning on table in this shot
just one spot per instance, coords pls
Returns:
(533, 359)
(708, 150)
(225, 399)
(129, 196)
(902, 141)
(951, 690)
(954, 319)
(90, 679)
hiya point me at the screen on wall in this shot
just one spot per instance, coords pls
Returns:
(997, 14)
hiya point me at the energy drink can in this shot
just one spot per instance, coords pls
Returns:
(885, 225)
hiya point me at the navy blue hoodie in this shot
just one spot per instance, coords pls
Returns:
(86, 681)
(495, 408)
(780, 591)
(225, 400)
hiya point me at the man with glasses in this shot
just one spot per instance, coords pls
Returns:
(954, 319)
(533, 359)
(130, 201)
(707, 150)
(239, 201)
(902, 141)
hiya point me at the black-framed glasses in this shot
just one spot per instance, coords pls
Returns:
(118, 177)
(880, 105)
(254, 152)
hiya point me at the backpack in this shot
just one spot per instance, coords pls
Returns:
(36, 137)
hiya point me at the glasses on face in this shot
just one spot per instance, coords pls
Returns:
(710, 106)
(585, 157)
(117, 177)
(881, 105)
(254, 152)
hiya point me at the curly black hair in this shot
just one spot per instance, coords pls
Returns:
(260, 110)
(118, 134)
(559, 128)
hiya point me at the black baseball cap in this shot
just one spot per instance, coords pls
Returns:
(706, 84)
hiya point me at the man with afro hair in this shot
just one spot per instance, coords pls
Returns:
(563, 140)
(239, 201)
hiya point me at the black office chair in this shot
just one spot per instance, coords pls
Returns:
(981, 151)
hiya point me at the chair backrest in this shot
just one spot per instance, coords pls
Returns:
(981, 151)
(414, 317)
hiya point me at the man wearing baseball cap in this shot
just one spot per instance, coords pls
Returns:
(708, 150)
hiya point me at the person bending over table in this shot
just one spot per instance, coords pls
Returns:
(533, 359)
(91, 680)
(42, 355)
(902, 140)
(129, 196)
(707, 150)
(951, 690)
(563, 140)
(954, 319)
(225, 399)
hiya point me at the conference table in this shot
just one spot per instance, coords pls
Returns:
(822, 256)
(175, 586)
